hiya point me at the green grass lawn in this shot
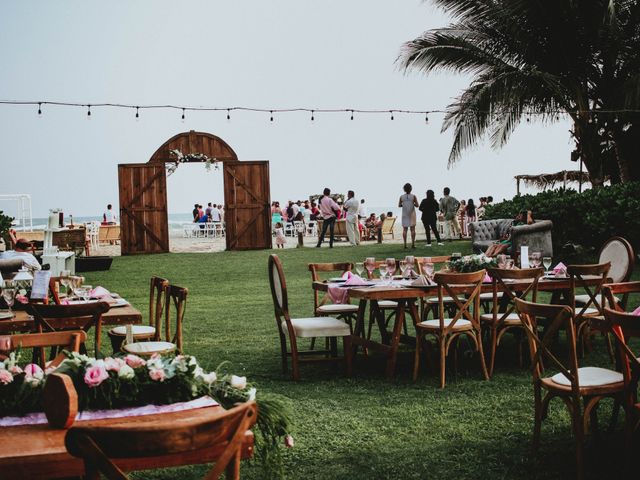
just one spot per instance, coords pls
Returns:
(364, 427)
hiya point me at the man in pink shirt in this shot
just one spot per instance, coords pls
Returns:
(327, 210)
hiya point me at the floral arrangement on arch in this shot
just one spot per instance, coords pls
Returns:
(471, 263)
(191, 157)
(128, 381)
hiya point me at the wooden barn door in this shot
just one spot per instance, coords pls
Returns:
(143, 208)
(248, 212)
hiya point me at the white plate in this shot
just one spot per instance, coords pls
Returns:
(121, 302)
(337, 280)
(5, 315)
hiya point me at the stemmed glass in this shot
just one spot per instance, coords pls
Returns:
(535, 259)
(83, 292)
(546, 261)
(65, 280)
(9, 293)
(502, 260)
(391, 266)
(411, 260)
(383, 270)
(403, 268)
(359, 268)
(370, 265)
(428, 269)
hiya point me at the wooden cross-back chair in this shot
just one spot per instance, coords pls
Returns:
(55, 318)
(430, 304)
(625, 326)
(164, 340)
(580, 388)
(157, 288)
(101, 446)
(503, 317)
(620, 254)
(466, 320)
(294, 328)
(70, 340)
(324, 306)
(593, 307)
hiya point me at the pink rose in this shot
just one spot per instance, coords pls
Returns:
(134, 361)
(288, 441)
(5, 376)
(33, 371)
(157, 374)
(113, 364)
(15, 369)
(22, 299)
(95, 374)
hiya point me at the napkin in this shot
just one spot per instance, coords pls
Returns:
(355, 280)
(486, 279)
(100, 292)
(421, 281)
(337, 294)
(560, 269)
(636, 312)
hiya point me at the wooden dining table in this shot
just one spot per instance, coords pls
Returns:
(23, 322)
(406, 297)
(38, 451)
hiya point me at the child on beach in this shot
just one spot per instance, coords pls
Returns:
(280, 238)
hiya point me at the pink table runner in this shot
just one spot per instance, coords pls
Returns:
(39, 418)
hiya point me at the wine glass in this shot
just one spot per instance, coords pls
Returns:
(510, 263)
(83, 292)
(391, 266)
(9, 293)
(502, 260)
(359, 268)
(65, 279)
(411, 260)
(428, 269)
(546, 261)
(370, 265)
(403, 268)
(383, 270)
(535, 259)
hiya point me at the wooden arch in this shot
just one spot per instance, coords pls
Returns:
(143, 196)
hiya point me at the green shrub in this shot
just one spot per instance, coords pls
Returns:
(586, 219)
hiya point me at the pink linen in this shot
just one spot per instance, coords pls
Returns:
(636, 312)
(354, 280)
(486, 279)
(561, 268)
(100, 292)
(338, 294)
(327, 207)
(40, 418)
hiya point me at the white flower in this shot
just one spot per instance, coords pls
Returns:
(126, 372)
(181, 363)
(198, 372)
(209, 378)
(238, 382)
(251, 394)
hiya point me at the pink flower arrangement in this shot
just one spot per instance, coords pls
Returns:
(33, 370)
(134, 361)
(95, 374)
(113, 364)
(15, 369)
(157, 374)
(5, 376)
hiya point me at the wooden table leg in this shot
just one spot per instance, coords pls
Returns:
(395, 339)
(360, 328)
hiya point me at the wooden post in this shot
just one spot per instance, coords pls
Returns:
(518, 186)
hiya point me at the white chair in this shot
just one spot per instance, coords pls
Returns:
(93, 233)
(289, 230)
(298, 227)
(312, 228)
(219, 229)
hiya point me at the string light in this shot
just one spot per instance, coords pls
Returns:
(271, 112)
(426, 118)
(391, 112)
(351, 114)
(312, 118)
(137, 114)
(88, 112)
(228, 114)
(182, 115)
(39, 109)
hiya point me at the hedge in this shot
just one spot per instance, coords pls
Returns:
(587, 219)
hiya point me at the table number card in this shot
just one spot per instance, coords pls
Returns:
(40, 288)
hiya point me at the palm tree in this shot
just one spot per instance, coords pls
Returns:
(541, 58)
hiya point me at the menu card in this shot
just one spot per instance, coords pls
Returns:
(40, 288)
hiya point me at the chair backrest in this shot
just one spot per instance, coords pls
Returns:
(71, 340)
(624, 326)
(458, 286)
(279, 294)
(579, 275)
(157, 287)
(510, 281)
(55, 318)
(178, 297)
(97, 445)
(387, 225)
(619, 253)
(317, 269)
(611, 290)
(559, 317)
(434, 260)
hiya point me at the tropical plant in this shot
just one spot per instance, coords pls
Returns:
(5, 225)
(544, 58)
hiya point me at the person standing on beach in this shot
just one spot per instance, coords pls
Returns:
(429, 208)
(194, 213)
(408, 202)
(328, 209)
(352, 206)
(449, 207)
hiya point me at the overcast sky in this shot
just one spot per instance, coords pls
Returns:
(270, 54)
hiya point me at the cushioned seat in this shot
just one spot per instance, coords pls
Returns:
(590, 377)
(512, 318)
(444, 300)
(584, 299)
(146, 330)
(588, 312)
(338, 308)
(318, 327)
(461, 324)
(489, 296)
(148, 348)
(387, 304)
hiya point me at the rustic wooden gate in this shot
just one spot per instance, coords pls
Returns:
(143, 208)
(247, 213)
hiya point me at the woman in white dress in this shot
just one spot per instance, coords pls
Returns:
(408, 202)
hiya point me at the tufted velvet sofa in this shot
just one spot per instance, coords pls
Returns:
(536, 236)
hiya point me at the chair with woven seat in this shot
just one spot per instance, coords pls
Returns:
(56, 318)
(157, 286)
(466, 320)
(100, 445)
(592, 309)
(164, 340)
(293, 328)
(70, 340)
(620, 254)
(580, 388)
(503, 317)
